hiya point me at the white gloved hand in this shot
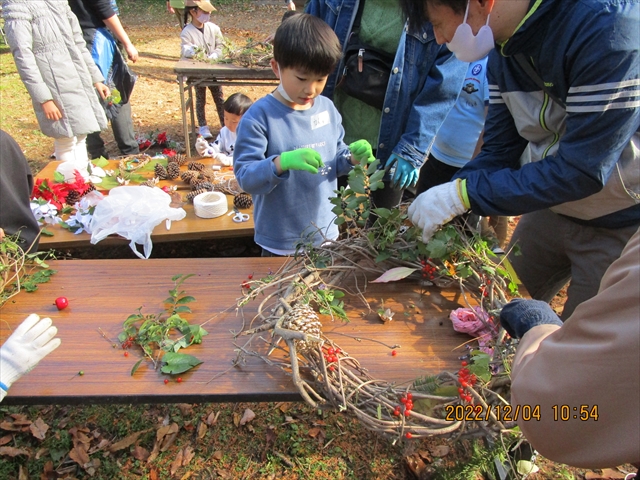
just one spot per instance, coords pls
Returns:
(226, 160)
(28, 344)
(202, 146)
(437, 206)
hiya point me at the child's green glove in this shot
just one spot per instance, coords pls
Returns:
(361, 149)
(306, 159)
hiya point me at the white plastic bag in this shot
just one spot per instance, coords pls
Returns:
(133, 212)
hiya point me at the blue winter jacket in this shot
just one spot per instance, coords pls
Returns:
(424, 84)
(586, 156)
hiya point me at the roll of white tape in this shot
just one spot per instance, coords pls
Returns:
(210, 204)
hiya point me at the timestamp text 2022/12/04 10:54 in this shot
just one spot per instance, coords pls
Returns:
(510, 413)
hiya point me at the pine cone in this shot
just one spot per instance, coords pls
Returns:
(89, 189)
(303, 318)
(188, 176)
(200, 184)
(196, 166)
(173, 170)
(179, 158)
(195, 193)
(243, 200)
(160, 171)
(72, 197)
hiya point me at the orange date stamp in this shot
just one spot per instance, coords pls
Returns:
(513, 413)
(500, 413)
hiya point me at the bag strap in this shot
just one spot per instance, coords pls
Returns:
(356, 22)
(533, 74)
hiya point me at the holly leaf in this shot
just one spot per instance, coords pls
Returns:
(175, 363)
(100, 162)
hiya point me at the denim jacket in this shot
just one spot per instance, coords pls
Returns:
(424, 85)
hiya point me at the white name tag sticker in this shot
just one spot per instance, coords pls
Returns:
(320, 120)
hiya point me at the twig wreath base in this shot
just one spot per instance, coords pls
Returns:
(328, 377)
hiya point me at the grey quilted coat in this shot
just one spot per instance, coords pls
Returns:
(54, 64)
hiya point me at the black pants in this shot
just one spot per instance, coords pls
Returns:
(201, 101)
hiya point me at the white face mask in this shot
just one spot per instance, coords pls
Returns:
(468, 48)
(281, 89)
(204, 17)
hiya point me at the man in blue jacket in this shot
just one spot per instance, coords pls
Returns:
(424, 82)
(563, 78)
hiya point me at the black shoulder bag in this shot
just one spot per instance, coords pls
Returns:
(366, 69)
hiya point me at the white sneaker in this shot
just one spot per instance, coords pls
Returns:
(204, 131)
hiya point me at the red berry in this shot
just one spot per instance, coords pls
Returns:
(408, 435)
(126, 354)
(409, 396)
(166, 381)
(179, 380)
(250, 277)
(464, 363)
(331, 368)
(407, 412)
(61, 303)
(403, 400)
(461, 390)
(393, 353)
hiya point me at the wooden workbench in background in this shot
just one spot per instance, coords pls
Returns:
(103, 293)
(189, 228)
(191, 74)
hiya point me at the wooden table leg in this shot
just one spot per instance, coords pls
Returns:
(183, 109)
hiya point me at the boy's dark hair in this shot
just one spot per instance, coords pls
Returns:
(306, 42)
(416, 10)
(238, 103)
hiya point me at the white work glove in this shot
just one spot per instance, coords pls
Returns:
(214, 56)
(226, 160)
(28, 344)
(437, 206)
(203, 148)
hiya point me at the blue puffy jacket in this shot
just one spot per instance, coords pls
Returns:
(585, 156)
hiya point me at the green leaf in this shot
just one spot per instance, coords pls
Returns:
(182, 309)
(175, 363)
(187, 299)
(446, 391)
(46, 233)
(382, 256)
(100, 162)
(135, 367)
(58, 177)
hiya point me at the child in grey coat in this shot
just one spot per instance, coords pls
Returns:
(57, 69)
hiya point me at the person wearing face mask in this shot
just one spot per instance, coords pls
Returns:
(290, 149)
(423, 80)
(564, 79)
(202, 35)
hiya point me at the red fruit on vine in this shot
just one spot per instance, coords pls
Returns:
(464, 363)
(126, 354)
(166, 381)
(408, 435)
(61, 303)
(393, 353)
(179, 380)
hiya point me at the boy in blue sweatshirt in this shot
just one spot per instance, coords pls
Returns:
(289, 149)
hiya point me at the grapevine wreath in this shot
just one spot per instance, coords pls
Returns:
(314, 280)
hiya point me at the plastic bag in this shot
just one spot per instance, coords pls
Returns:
(133, 212)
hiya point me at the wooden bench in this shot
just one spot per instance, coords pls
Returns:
(103, 293)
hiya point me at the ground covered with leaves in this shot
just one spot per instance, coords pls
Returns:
(207, 441)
